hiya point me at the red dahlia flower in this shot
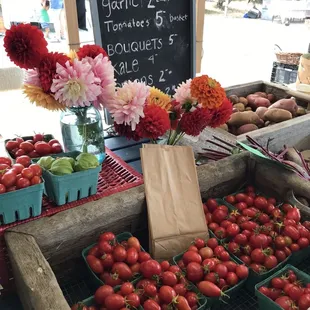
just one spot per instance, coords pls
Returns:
(155, 122)
(47, 68)
(25, 45)
(221, 115)
(193, 123)
(125, 130)
(91, 50)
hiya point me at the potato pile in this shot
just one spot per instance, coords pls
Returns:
(260, 110)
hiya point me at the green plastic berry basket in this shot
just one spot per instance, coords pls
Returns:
(46, 138)
(70, 187)
(266, 303)
(21, 204)
(202, 302)
(255, 277)
(242, 191)
(95, 279)
(298, 257)
(217, 302)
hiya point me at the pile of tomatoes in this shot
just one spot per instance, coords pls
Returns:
(34, 148)
(19, 175)
(209, 266)
(116, 262)
(288, 292)
(162, 286)
(259, 233)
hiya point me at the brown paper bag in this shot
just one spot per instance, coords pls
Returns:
(175, 212)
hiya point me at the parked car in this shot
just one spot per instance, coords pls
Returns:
(287, 10)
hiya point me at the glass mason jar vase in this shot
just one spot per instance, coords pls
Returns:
(82, 131)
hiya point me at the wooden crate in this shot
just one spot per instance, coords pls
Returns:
(41, 248)
(286, 133)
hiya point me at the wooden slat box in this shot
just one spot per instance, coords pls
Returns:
(39, 248)
(288, 132)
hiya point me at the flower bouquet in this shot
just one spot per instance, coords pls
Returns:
(78, 84)
(140, 111)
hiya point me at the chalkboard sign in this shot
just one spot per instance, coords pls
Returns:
(152, 41)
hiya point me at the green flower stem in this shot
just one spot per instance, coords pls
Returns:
(84, 147)
(179, 138)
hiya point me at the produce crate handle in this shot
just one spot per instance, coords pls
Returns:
(277, 48)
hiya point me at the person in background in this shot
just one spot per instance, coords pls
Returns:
(45, 20)
(81, 12)
(57, 18)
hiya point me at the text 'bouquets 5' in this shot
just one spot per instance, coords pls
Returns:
(140, 111)
(56, 81)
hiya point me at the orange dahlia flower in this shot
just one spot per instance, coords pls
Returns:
(208, 92)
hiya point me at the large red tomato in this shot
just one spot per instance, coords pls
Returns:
(259, 241)
(150, 268)
(292, 232)
(191, 256)
(194, 272)
(102, 293)
(218, 216)
(123, 271)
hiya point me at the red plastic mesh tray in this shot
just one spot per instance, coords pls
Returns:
(115, 176)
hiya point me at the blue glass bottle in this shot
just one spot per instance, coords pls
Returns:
(82, 131)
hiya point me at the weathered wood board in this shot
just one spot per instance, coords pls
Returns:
(36, 283)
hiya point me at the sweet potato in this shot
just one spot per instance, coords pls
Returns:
(241, 118)
(286, 104)
(243, 100)
(271, 98)
(301, 111)
(246, 128)
(260, 123)
(239, 106)
(261, 102)
(276, 115)
(234, 99)
(261, 111)
(251, 100)
(261, 94)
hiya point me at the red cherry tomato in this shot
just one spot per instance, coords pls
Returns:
(22, 183)
(24, 160)
(27, 147)
(6, 161)
(27, 173)
(8, 179)
(36, 169)
(56, 148)
(53, 141)
(35, 180)
(17, 168)
(43, 148)
(11, 145)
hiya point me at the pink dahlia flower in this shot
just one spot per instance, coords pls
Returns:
(104, 71)
(127, 107)
(75, 84)
(32, 77)
(183, 93)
